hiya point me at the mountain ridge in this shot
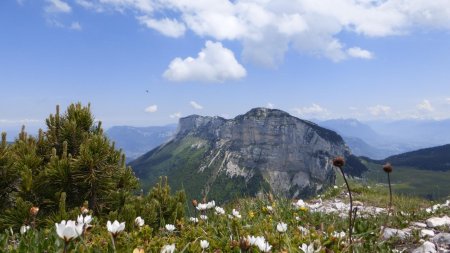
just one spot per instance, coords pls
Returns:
(261, 150)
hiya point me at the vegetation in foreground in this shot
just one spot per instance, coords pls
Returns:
(246, 225)
(68, 190)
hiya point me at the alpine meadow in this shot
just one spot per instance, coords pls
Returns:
(225, 126)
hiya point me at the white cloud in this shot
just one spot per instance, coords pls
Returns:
(20, 2)
(267, 29)
(57, 6)
(357, 52)
(19, 121)
(425, 105)
(379, 110)
(213, 64)
(166, 26)
(151, 108)
(270, 105)
(314, 110)
(91, 5)
(176, 115)
(196, 105)
(75, 26)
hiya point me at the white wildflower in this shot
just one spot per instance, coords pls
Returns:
(170, 227)
(219, 210)
(281, 227)
(115, 228)
(169, 248)
(139, 221)
(204, 244)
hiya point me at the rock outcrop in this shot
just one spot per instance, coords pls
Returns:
(262, 150)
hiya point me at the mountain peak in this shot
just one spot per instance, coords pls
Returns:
(259, 151)
(265, 112)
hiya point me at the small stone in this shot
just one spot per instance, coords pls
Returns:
(357, 203)
(419, 224)
(391, 232)
(339, 205)
(436, 221)
(427, 247)
(442, 239)
(426, 232)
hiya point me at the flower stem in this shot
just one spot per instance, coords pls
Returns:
(65, 246)
(113, 242)
(350, 212)
(390, 193)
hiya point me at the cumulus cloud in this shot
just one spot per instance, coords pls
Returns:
(166, 26)
(379, 110)
(425, 105)
(176, 115)
(75, 26)
(270, 105)
(267, 29)
(151, 108)
(357, 52)
(314, 110)
(213, 64)
(57, 6)
(196, 105)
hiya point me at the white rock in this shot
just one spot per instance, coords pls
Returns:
(427, 247)
(339, 205)
(391, 232)
(426, 232)
(436, 221)
(442, 239)
(419, 224)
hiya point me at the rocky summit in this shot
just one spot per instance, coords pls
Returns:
(264, 150)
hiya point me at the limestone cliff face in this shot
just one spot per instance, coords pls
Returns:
(264, 149)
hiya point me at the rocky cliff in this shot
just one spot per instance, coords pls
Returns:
(262, 150)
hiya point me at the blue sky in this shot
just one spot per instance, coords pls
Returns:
(361, 59)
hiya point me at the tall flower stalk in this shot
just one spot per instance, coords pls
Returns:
(340, 162)
(388, 169)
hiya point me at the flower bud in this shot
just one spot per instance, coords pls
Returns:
(34, 210)
(84, 210)
(244, 244)
(339, 162)
(194, 202)
(387, 168)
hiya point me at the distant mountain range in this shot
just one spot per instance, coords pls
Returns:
(435, 159)
(374, 139)
(380, 139)
(262, 150)
(135, 141)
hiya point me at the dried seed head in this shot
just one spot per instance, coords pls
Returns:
(244, 244)
(194, 202)
(84, 210)
(387, 168)
(339, 162)
(34, 210)
(270, 197)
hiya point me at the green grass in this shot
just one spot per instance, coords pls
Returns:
(410, 181)
(224, 233)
